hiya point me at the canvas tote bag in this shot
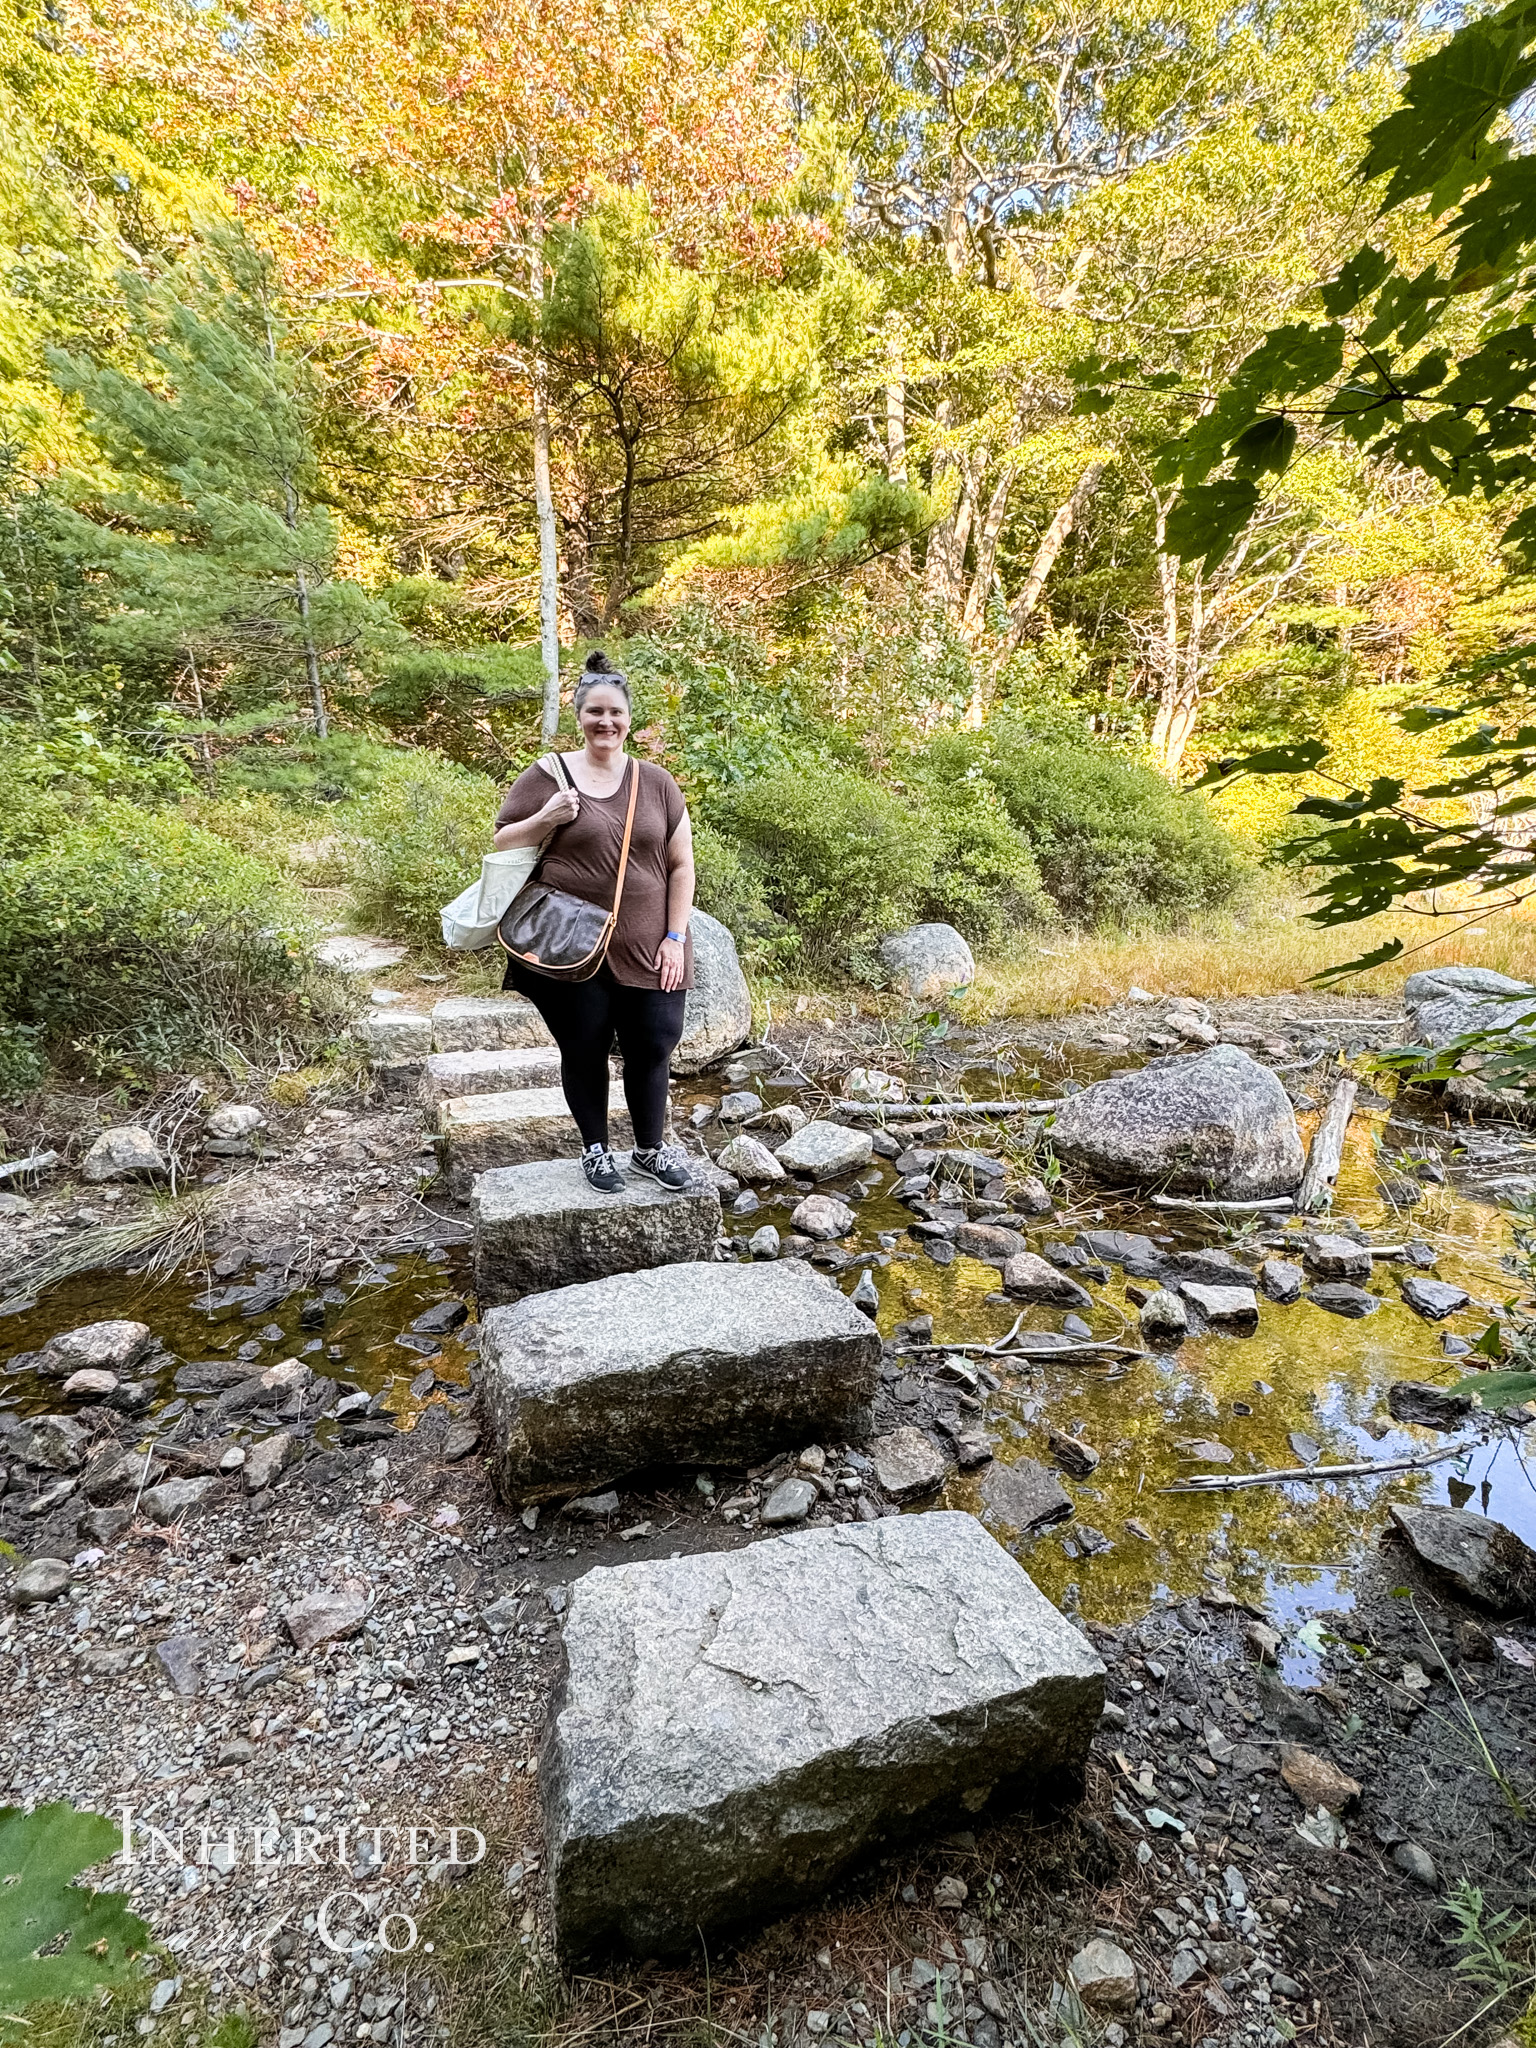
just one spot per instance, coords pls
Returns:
(470, 920)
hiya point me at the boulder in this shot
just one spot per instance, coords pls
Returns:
(1481, 1560)
(114, 1347)
(928, 962)
(908, 1464)
(1218, 1123)
(735, 1730)
(483, 1132)
(1025, 1496)
(750, 1160)
(681, 1365)
(486, 1024)
(122, 1153)
(449, 1076)
(541, 1226)
(1434, 1299)
(1338, 1258)
(1028, 1277)
(825, 1150)
(718, 1014)
(1445, 1002)
(822, 1217)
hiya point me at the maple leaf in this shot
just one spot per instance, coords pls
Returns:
(58, 1939)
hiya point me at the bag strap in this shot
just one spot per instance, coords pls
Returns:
(629, 823)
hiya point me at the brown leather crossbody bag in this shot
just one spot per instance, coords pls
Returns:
(559, 935)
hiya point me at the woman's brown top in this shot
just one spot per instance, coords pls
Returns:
(583, 859)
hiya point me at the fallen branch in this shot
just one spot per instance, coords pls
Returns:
(35, 1162)
(1029, 1107)
(1225, 1482)
(1327, 1150)
(1276, 1205)
(1037, 1350)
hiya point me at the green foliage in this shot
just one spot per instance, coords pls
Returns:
(1115, 845)
(986, 881)
(1487, 1944)
(724, 716)
(729, 886)
(88, 1936)
(421, 836)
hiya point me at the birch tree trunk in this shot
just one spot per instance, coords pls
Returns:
(896, 429)
(543, 496)
(1052, 541)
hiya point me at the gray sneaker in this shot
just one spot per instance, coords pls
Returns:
(667, 1166)
(602, 1170)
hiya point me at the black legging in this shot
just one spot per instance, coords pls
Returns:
(584, 1017)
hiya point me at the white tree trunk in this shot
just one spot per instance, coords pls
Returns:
(544, 499)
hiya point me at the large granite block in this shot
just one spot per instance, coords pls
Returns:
(486, 1024)
(734, 1730)
(542, 1226)
(678, 1365)
(481, 1132)
(394, 1036)
(449, 1076)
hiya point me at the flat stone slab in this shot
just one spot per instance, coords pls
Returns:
(396, 1037)
(735, 1730)
(486, 1024)
(679, 1365)
(482, 1132)
(541, 1226)
(450, 1076)
(1224, 1308)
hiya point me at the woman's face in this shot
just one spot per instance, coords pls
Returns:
(604, 716)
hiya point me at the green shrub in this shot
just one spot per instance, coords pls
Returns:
(133, 941)
(729, 885)
(985, 878)
(421, 834)
(1115, 844)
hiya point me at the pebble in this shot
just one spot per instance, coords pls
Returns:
(790, 1501)
(764, 1243)
(1417, 1864)
(44, 1578)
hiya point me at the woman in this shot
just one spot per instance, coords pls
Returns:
(639, 992)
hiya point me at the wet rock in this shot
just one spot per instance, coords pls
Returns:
(266, 1459)
(1340, 1299)
(750, 1160)
(1281, 1281)
(173, 1498)
(869, 1084)
(1337, 1258)
(737, 1106)
(1434, 1299)
(812, 1682)
(1432, 1407)
(1219, 1123)
(182, 1659)
(40, 1580)
(328, 1615)
(927, 961)
(441, 1318)
(1206, 1269)
(89, 1385)
(114, 1347)
(1104, 1978)
(745, 1204)
(1119, 1247)
(1028, 1277)
(790, 1501)
(989, 1243)
(1025, 1496)
(541, 1226)
(822, 1218)
(717, 1016)
(865, 1296)
(1315, 1781)
(1417, 1864)
(1224, 1308)
(764, 1243)
(1072, 1454)
(691, 1364)
(122, 1153)
(825, 1150)
(907, 1464)
(1480, 1559)
(1164, 1318)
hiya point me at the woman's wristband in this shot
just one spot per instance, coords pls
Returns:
(680, 937)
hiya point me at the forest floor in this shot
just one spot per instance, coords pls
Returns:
(1185, 1849)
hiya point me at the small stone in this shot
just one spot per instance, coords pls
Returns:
(1340, 1299)
(264, 1461)
(235, 1751)
(1104, 1977)
(823, 1218)
(1338, 1258)
(1315, 1781)
(764, 1243)
(1224, 1308)
(235, 1120)
(1072, 1454)
(461, 1440)
(89, 1385)
(174, 1498)
(592, 1507)
(750, 1160)
(790, 1501)
(326, 1615)
(121, 1153)
(1025, 1496)
(1281, 1281)
(1164, 1318)
(182, 1657)
(44, 1578)
(736, 1107)
(1434, 1299)
(907, 1464)
(1033, 1198)
(745, 1204)
(865, 1295)
(1028, 1277)
(869, 1084)
(950, 1893)
(1417, 1864)
(825, 1150)
(988, 1242)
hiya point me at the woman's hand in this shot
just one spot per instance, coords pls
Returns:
(564, 805)
(671, 963)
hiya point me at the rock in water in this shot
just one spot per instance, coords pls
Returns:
(908, 1464)
(1164, 1318)
(697, 1364)
(1341, 1299)
(1434, 1299)
(1025, 1496)
(121, 1153)
(718, 1014)
(1028, 1277)
(1281, 1281)
(749, 1159)
(541, 1226)
(991, 1243)
(865, 1296)
(825, 1150)
(822, 1217)
(1219, 1124)
(98, 1347)
(735, 1730)
(928, 961)
(1224, 1308)
(1338, 1258)
(1433, 1407)
(1482, 1560)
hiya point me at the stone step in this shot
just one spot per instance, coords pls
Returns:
(541, 1226)
(736, 1729)
(677, 1365)
(486, 1024)
(449, 1076)
(481, 1132)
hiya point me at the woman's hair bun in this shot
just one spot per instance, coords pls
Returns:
(598, 664)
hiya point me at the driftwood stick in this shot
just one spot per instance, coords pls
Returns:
(1327, 1150)
(1030, 1107)
(1038, 1350)
(1276, 1205)
(35, 1162)
(1224, 1482)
